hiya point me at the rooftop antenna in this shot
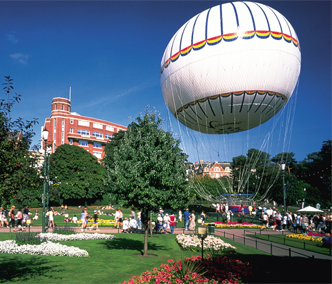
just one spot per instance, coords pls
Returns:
(70, 94)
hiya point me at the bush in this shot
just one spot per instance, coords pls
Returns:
(27, 239)
(66, 230)
(35, 204)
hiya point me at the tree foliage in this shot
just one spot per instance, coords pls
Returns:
(149, 168)
(77, 176)
(19, 180)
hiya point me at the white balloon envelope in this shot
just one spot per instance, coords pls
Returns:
(230, 68)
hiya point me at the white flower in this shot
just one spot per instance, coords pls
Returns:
(46, 248)
(73, 237)
(209, 242)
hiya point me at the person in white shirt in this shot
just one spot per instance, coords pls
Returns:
(117, 217)
(133, 224)
(166, 222)
(74, 219)
(125, 225)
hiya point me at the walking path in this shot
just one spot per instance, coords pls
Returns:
(238, 235)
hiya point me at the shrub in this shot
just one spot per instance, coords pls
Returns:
(27, 239)
(65, 230)
(36, 203)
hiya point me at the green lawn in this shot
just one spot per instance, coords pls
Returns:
(282, 239)
(111, 261)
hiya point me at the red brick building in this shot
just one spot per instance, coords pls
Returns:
(66, 127)
(214, 170)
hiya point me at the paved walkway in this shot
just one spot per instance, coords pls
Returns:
(238, 235)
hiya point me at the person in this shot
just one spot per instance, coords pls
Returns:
(117, 217)
(26, 213)
(132, 213)
(74, 219)
(121, 219)
(186, 218)
(19, 218)
(133, 224)
(226, 207)
(290, 220)
(160, 224)
(218, 208)
(242, 209)
(228, 216)
(161, 212)
(277, 216)
(327, 240)
(172, 221)
(166, 222)
(36, 217)
(250, 209)
(139, 220)
(180, 215)
(50, 215)
(320, 223)
(284, 224)
(4, 217)
(95, 220)
(203, 217)
(83, 220)
(303, 223)
(192, 221)
(265, 221)
(12, 216)
(125, 226)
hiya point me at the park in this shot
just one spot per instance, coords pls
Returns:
(209, 188)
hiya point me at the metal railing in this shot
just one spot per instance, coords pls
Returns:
(270, 246)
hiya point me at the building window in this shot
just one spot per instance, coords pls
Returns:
(54, 106)
(97, 125)
(97, 134)
(83, 132)
(63, 107)
(83, 143)
(71, 121)
(68, 108)
(108, 136)
(71, 130)
(97, 154)
(217, 175)
(96, 145)
(63, 122)
(217, 169)
(110, 128)
(83, 123)
(71, 141)
(212, 175)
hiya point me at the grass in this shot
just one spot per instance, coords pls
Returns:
(114, 261)
(281, 239)
(111, 261)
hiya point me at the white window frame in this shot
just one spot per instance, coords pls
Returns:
(83, 123)
(110, 128)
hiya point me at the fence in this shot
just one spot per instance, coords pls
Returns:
(266, 246)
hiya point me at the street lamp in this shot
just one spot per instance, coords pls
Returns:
(283, 166)
(304, 189)
(44, 137)
(202, 234)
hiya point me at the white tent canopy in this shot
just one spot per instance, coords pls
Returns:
(310, 209)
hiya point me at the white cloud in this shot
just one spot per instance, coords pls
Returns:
(20, 58)
(12, 38)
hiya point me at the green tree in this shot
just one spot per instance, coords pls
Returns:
(77, 176)
(19, 181)
(149, 169)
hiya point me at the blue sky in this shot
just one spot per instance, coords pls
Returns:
(109, 53)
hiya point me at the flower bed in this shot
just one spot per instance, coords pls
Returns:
(316, 234)
(75, 237)
(103, 222)
(236, 225)
(211, 270)
(305, 238)
(193, 243)
(46, 248)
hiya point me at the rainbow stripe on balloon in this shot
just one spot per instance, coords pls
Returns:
(228, 38)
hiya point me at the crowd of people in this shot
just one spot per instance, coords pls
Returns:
(300, 222)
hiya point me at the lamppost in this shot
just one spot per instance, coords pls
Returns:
(283, 166)
(304, 189)
(202, 234)
(44, 137)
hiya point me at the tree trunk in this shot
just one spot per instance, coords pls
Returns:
(146, 240)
